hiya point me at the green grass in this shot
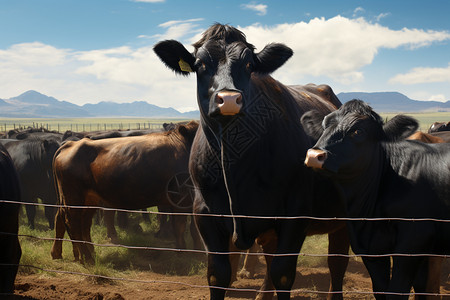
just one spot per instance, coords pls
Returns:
(425, 119)
(110, 261)
(122, 262)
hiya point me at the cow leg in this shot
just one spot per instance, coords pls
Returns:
(30, 209)
(122, 219)
(164, 223)
(216, 236)
(433, 282)
(179, 228)
(379, 269)
(74, 229)
(10, 253)
(10, 250)
(197, 241)
(60, 229)
(50, 216)
(108, 216)
(250, 262)
(404, 270)
(88, 249)
(64, 223)
(338, 243)
(291, 236)
(268, 242)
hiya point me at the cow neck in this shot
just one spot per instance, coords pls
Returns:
(362, 201)
(361, 192)
(175, 136)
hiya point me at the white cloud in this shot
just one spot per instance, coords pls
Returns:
(32, 55)
(179, 29)
(358, 10)
(261, 9)
(381, 16)
(439, 97)
(338, 47)
(423, 75)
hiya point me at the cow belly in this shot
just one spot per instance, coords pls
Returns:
(120, 199)
(92, 198)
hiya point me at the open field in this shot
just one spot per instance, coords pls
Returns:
(91, 124)
(85, 124)
(425, 119)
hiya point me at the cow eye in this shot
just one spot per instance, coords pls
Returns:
(249, 67)
(200, 65)
(357, 133)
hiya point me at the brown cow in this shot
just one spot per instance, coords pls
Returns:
(425, 138)
(439, 126)
(127, 172)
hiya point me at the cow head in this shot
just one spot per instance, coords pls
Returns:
(439, 126)
(224, 62)
(349, 137)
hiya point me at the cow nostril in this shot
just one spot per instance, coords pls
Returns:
(321, 157)
(219, 99)
(239, 99)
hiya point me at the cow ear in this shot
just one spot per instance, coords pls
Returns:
(175, 56)
(312, 123)
(183, 130)
(400, 127)
(271, 58)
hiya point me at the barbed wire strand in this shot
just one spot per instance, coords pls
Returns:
(231, 216)
(295, 291)
(227, 252)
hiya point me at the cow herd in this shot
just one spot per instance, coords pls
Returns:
(262, 155)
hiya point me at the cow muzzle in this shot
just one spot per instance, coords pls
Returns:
(229, 103)
(315, 158)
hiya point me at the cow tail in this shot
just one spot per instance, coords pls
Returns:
(61, 211)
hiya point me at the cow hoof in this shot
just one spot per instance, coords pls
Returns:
(56, 256)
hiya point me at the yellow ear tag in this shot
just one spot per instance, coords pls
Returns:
(184, 66)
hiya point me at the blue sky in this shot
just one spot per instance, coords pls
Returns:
(87, 51)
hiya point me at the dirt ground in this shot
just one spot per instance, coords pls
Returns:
(159, 286)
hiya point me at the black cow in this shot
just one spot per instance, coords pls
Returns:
(10, 250)
(22, 134)
(243, 160)
(32, 158)
(382, 175)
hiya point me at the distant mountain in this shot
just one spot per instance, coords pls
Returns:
(395, 102)
(136, 109)
(32, 104)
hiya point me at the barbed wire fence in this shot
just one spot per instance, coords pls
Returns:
(81, 127)
(293, 291)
